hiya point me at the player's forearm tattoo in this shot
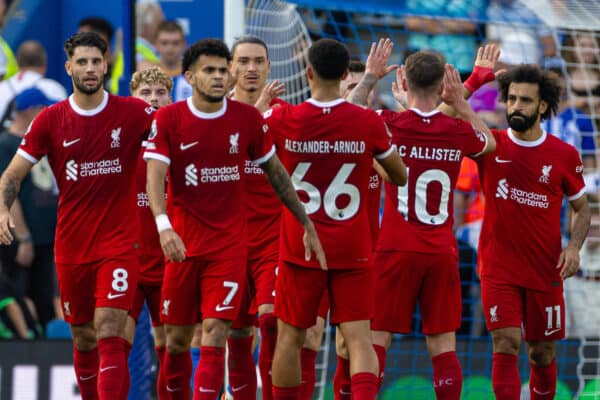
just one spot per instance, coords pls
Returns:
(360, 93)
(9, 188)
(580, 225)
(280, 180)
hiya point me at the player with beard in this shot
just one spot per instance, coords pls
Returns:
(203, 143)
(521, 262)
(153, 86)
(92, 140)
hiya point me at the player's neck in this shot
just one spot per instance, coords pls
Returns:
(325, 94)
(245, 96)
(530, 135)
(423, 104)
(88, 101)
(18, 127)
(206, 106)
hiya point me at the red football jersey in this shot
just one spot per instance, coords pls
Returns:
(374, 205)
(264, 209)
(93, 155)
(206, 153)
(150, 252)
(524, 184)
(328, 148)
(418, 216)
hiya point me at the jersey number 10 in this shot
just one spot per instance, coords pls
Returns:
(420, 201)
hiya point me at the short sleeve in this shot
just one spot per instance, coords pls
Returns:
(158, 147)
(474, 141)
(35, 143)
(382, 139)
(573, 184)
(260, 145)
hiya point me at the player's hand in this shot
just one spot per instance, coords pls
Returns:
(487, 56)
(379, 55)
(172, 245)
(270, 92)
(6, 224)
(400, 95)
(313, 244)
(452, 94)
(25, 254)
(568, 262)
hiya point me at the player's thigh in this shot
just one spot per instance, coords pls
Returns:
(351, 295)
(76, 285)
(180, 295)
(222, 286)
(441, 281)
(502, 304)
(116, 282)
(544, 318)
(299, 291)
(394, 308)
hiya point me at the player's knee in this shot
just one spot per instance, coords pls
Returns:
(541, 353)
(214, 332)
(177, 341)
(84, 337)
(505, 343)
(290, 336)
(110, 322)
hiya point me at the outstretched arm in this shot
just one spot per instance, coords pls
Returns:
(10, 182)
(568, 261)
(280, 180)
(375, 68)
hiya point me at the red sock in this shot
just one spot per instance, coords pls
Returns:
(209, 373)
(268, 338)
(381, 356)
(242, 372)
(113, 374)
(447, 376)
(505, 377)
(308, 358)
(288, 393)
(86, 365)
(542, 381)
(126, 383)
(161, 384)
(178, 370)
(364, 386)
(342, 389)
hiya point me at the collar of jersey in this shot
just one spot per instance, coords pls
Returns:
(93, 111)
(423, 113)
(526, 143)
(326, 104)
(203, 115)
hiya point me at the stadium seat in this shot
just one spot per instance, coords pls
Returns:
(58, 329)
(477, 388)
(412, 387)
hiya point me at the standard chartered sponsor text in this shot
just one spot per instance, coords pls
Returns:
(102, 167)
(532, 199)
(219, 174)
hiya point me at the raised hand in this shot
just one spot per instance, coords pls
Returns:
(398, 91)
(379, 55)
(271, 91)
(453, 88)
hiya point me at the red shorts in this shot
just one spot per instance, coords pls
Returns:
(300, 291)
(405, 278)
(324, 305)
(246, 316)
(151, 295)
(198, 286)
(109, 282)
(540, 313)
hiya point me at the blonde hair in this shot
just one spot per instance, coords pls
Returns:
(152, 75)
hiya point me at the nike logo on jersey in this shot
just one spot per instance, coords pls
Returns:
(220, 308)
(107, 368)
(551, 331)
(184, 147)
(237, 389)
(203, 390)
(70, 142)
(87, 378)
(501, 161)
(115, 295)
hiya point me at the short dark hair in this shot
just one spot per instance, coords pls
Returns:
(248, 39)
(84, 39)
(207, 47)
(329, 58)
(424, 70)
(549, 87)
(31, 54)
(356, 66)
(98, 25)
(169, 26)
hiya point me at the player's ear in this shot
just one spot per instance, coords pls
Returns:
(68, 67)
(310, 73)
(542, 107)
(345, 75)
(188, 76)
